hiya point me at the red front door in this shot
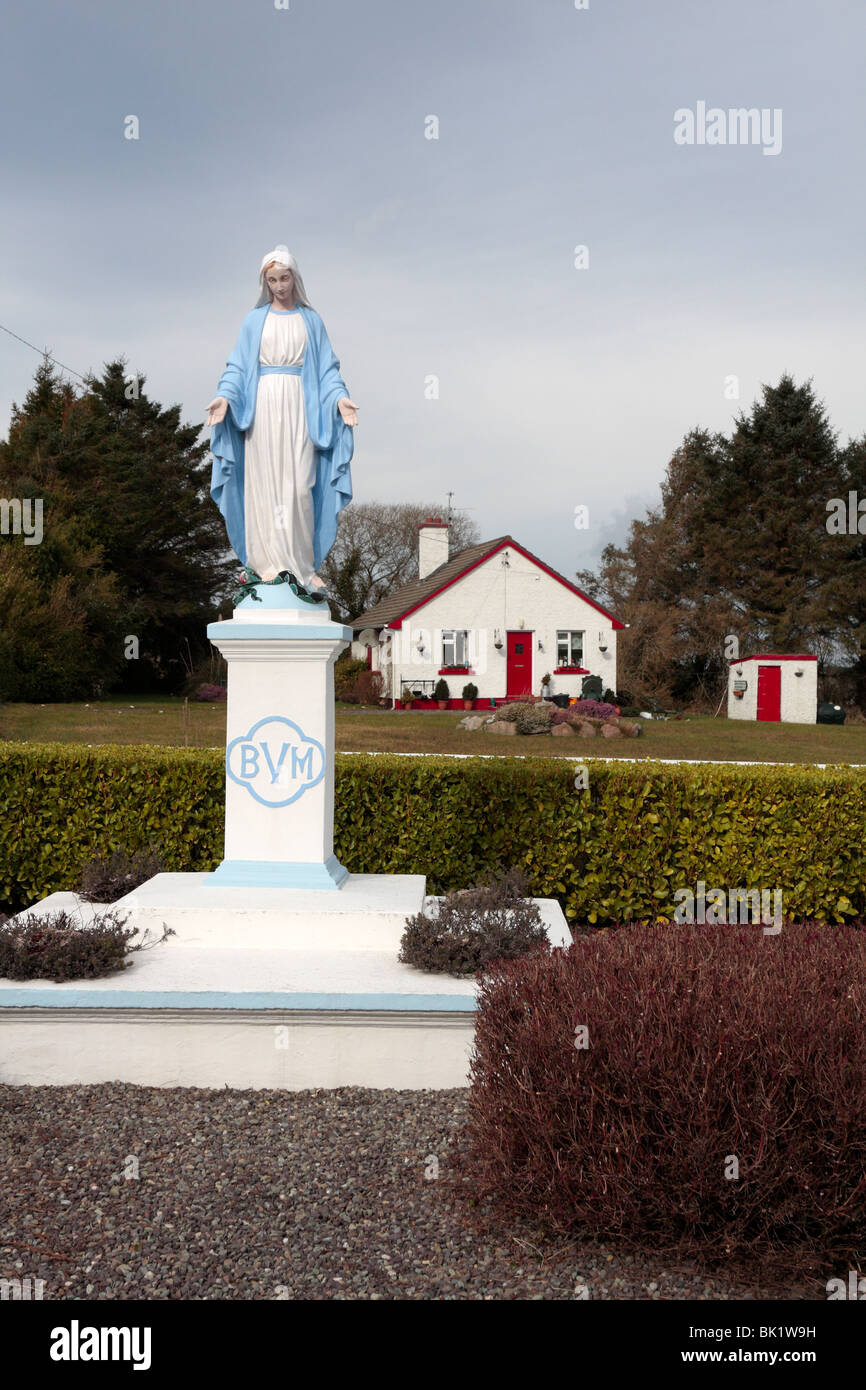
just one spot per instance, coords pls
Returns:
(518, 673)
(770, 692)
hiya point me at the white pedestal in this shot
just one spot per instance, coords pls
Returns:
(279, 821)
(268, 981)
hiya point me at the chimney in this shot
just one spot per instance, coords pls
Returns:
(432, 545)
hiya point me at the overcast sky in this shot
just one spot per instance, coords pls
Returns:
(451, 257)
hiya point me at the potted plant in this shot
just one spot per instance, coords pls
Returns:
(441, 693)
(406, 699)
(545, 685)
(470, 695)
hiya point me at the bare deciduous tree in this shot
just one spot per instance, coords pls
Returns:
(376, 551)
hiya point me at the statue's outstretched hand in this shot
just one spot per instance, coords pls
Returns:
(216, 411)
(348, 410)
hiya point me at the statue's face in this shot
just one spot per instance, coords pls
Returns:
(280, 282)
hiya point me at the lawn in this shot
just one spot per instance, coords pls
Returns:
(168, 721)
(137, 719)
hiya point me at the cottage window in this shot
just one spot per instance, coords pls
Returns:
(455, 647)
(569, 648)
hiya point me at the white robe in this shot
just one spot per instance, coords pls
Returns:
(280, 460)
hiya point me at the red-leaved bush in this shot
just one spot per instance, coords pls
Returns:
(365, 688)
(710, 1051)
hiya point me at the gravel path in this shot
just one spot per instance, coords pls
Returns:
(273, 1194)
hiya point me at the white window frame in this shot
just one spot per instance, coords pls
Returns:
(458, 640)
(565, 637)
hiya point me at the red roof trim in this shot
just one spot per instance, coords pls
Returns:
(396, 623)
(767, 656)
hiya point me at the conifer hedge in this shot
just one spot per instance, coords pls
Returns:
(614, 852)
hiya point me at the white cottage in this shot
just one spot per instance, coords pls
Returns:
(773, 688)
(493, 616)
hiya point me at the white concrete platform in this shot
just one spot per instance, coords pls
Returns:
(246, 1050)
(319, 1001)
(368, 912)
(247, 1019)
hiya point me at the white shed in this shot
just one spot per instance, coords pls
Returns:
(783, 689)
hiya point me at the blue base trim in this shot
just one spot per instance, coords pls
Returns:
(252, 873)
(59, 999)
(280, 631)
(280, 596)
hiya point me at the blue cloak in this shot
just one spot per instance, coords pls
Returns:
(332, 439)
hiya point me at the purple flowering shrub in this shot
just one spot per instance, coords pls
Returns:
(210, 692)
(585, 709)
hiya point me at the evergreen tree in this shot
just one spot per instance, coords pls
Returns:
(61, 610)
(739, 547)
(765, 509)
(133, 547)
(841, 605)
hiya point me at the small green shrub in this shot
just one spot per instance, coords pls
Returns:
(535, 720)
(57, 947)
(496, 920)
(470, 691)
(440, 690)
(510, 712)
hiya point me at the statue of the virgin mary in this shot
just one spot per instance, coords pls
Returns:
(281, 434)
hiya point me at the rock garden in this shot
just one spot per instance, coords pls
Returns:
(584, 719)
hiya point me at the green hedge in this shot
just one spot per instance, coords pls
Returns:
(615, 852)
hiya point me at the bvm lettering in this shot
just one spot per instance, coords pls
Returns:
(276, 761)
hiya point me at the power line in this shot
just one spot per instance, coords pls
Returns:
(43, 353)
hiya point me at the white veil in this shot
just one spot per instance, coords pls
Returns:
(283, 256)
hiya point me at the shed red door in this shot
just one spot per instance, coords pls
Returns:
(770, 692)
(518, 674)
